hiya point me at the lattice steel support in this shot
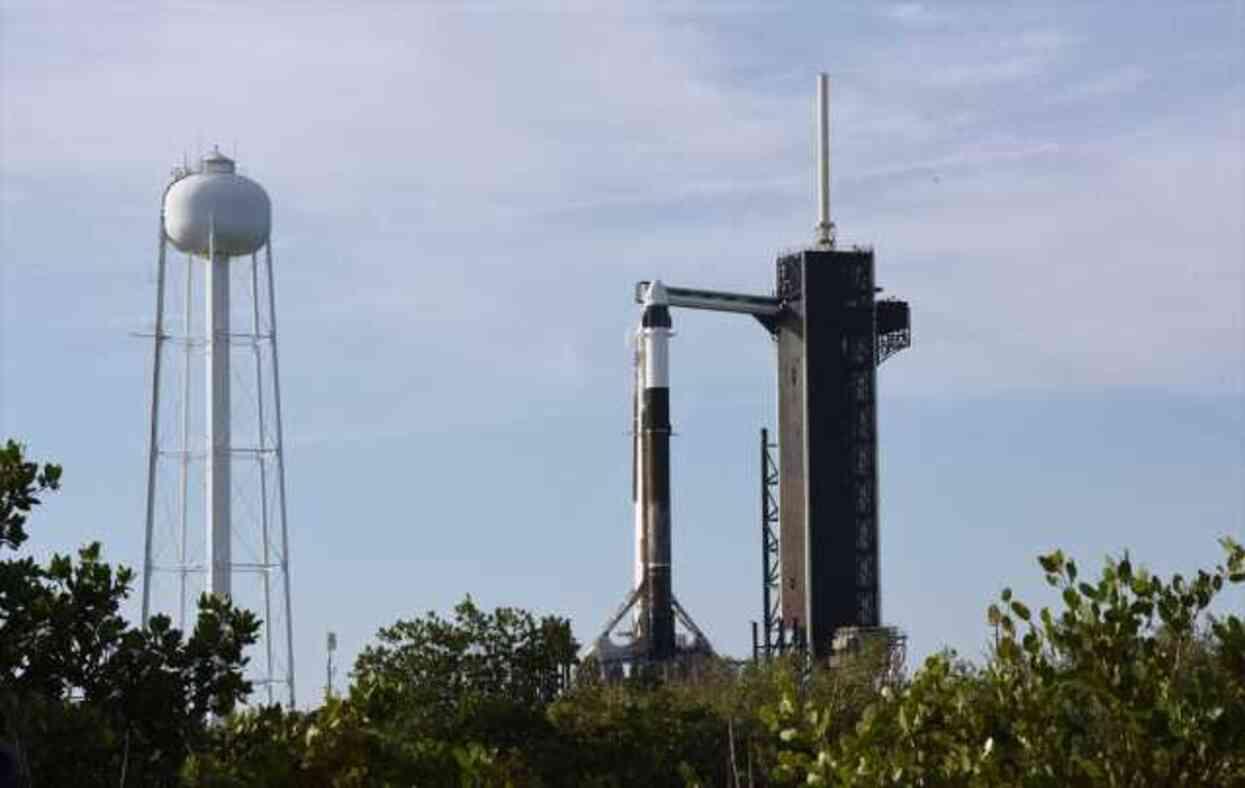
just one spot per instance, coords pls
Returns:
(771, 620)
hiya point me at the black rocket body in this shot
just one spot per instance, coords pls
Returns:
(656, 617)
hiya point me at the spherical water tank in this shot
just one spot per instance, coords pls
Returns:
(216, 200)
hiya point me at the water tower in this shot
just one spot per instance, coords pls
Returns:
(215, 515)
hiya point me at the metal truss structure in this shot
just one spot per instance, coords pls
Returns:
(770, 615)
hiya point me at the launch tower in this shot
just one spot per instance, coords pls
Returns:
(831, 333)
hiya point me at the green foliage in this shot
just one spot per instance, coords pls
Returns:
(335, 745)
(478, 674)
(639, 735)
(817, 704)
(85, 698)
(479, 682)
(20, 484)
(434, 702)
(1125, 686)
(1130, 682)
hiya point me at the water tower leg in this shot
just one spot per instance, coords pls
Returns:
(279, 448)
(262, 445)
(153, 446)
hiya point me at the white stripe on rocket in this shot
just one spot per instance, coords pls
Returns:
(638, 469)
(656, 342)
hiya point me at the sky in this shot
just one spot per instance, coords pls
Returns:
(465, 193)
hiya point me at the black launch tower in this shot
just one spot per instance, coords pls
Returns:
(831, 335)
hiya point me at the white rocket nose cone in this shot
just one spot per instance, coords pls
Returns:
(656, 295)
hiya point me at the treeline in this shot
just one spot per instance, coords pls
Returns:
(1130, 683)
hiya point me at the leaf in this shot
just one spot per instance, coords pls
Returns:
(1020, 610)
(1125, 569)
(1071, 599)
(1008, 649)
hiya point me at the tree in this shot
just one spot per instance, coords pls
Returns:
(20, 482)
(476, 674)
(86, 698)
(1132, 684)
(435, 702)
(336, 745)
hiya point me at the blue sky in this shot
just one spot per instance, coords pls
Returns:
(464, 195)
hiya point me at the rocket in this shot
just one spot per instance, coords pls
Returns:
(654, 617)
(651, 601)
